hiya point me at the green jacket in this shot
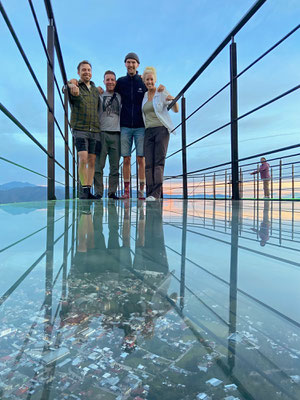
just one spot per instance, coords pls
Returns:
(85, 109)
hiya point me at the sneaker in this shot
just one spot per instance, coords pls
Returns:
(84, 193)
(98, 196)
(113, 196)
(91, 196)
(141, 195)
(150, 198)
(125, 196)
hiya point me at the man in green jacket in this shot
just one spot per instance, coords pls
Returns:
(84, 100)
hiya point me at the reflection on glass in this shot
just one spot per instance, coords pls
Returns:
(264, 227)
(164, 300)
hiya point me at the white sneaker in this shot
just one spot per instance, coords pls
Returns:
(150, 198)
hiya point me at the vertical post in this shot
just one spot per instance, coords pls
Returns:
(65, 254)
(226, 185)
(121, 185)
(254, 186)
(233, 282)
(137, 179)
(50, 129)
(204, 189)
(73, 168)
(183, 143)
(293, 181)
(67, 181)
(271, 183)
(49, 265)
(241, 184)
(280, 178)
(183, 254)
(257, 182)
(214, 185)
(234, 124)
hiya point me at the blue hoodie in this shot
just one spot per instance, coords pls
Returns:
(132, 90)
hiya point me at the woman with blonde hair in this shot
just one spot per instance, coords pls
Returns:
(158, 126)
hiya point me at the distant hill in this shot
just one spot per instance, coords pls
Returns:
(15, 192)
(15, 184)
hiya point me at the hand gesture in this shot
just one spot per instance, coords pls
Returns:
(73, 89)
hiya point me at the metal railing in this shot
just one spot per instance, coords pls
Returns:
(216, 183)
(235, 162)
(52, 48)
(209, 178)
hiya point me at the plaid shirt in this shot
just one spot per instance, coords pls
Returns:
(85, 108)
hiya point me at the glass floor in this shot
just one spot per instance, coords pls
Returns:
(158, 301)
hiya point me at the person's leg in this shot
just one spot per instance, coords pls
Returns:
(126, 145)
(162, 137)
(149, 160)
(266, 184)
(141, 173)
(114, 160)
(82, 170)
(92, 143)
(139, 135)
(100, 164)
(91, 168)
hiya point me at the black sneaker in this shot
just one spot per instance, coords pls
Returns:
(84, 193)
(92, 197)
(98, 196)
(113, 196)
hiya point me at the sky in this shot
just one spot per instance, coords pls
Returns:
(174, 36)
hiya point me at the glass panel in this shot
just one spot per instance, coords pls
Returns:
(150, 300)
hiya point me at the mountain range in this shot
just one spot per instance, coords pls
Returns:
(15, 192)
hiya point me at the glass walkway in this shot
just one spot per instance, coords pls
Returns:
(172, 300)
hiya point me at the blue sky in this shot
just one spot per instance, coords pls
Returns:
(174, 36)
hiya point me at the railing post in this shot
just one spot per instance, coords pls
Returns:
(254, 186)
(234, 124)
(280, 178)
(204, 188)
(241, 184)
(73, 168)
(137, 179)
(183, 143)
(67, 181)
(257, 182)
(214, 185)
(271, 183)
(183, 255)
(293, 181)
(50, 114)
(226, 185)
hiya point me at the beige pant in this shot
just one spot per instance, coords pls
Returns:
(266, 183)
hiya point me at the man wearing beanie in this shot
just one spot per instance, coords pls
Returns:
(132, 89)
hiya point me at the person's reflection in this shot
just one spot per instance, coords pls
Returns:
(102, 282)
(151, 259)
(264, 227)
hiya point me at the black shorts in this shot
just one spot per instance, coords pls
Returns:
(85, 141)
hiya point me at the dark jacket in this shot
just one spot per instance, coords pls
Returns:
(131, 89)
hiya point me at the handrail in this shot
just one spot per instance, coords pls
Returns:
(249, 14)
(56, 42)
(241, 73)
(14, 119)
(30, 69)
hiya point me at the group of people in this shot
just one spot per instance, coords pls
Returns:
(106, 122)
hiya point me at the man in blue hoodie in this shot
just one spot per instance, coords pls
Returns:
(132, 89)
